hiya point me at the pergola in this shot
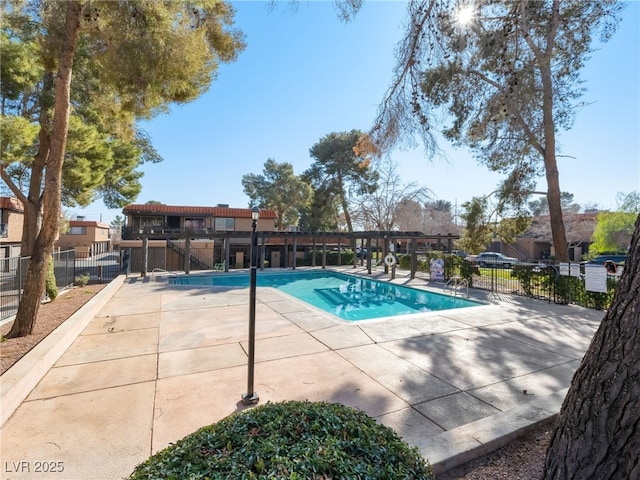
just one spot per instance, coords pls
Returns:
(413, 242)
(383, 240)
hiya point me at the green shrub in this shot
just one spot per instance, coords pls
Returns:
(50, 282)
(602, 300)
(467, 269)
(531, 277)
(346, 257)
(572, 290)
(81, 280)
(453, 265)
(289, 440)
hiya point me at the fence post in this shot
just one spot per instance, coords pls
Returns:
(145, 256)
(19, 283)
(187, 256)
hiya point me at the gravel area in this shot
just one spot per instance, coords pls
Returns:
(50, 315)
(522, 459)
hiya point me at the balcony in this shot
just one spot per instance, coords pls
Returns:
(159, 232)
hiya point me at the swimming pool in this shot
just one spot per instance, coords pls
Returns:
(345, 296)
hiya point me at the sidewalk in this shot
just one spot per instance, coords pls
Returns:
(152, 363)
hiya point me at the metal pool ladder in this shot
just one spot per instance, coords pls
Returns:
(456, 283)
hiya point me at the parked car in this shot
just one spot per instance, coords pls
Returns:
(362, 252)
(495, 259)
(601, 259)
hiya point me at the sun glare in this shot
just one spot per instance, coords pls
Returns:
(465, 15)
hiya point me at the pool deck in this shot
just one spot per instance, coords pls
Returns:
(145, 363)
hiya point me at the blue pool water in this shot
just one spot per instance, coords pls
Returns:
(345, 296)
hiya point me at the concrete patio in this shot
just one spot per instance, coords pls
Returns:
(146, 363)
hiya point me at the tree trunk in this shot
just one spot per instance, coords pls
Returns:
(598, 431)
(33, 204)
(36, 275)
(558, 233)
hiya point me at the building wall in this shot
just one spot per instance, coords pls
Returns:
(13, 218)
(95, 238)
(14, 222)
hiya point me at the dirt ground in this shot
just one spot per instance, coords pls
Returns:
(50, 315)
(523, 458)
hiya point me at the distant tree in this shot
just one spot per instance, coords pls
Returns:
(381, 209)
(509, 79)
(432, 218)
(485, 222)
(613, 232)
(279, 189)
(153, 202)
(479, 229)
(117, 223)
(150, 55)
(411, 216)
(440, 206)
(116, 226)
(438, 219)
(628, 203)
(598, 429)
(540, 206)
(578, 225)
(338, 171)
(322, 213)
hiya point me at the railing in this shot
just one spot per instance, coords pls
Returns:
(163, 232)
(455, 284)
(534, 280)
(199, 259)
(68, 270)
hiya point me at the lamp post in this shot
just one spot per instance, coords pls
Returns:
(251, 397)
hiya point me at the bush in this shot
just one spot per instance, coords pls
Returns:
(289, 440)
(532, 277)
(453, 265)
(81, 280)
(346, 257)
(51, 288)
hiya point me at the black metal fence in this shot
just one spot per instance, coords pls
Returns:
(68, 270)
(544, 281)
(535, 280)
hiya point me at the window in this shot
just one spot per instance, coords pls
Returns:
(77, 231)
(150, 221)
(222, 224)
(194, 223)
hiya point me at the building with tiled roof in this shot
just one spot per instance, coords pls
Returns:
(214, 233)
(11, 220)
(88, 238)
(169, 221)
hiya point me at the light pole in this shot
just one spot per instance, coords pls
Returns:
(251, 397)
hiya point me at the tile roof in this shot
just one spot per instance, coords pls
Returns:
(11, 203)
(87, 223)
(185, 210)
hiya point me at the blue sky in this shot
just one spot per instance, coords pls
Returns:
(305, 74)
